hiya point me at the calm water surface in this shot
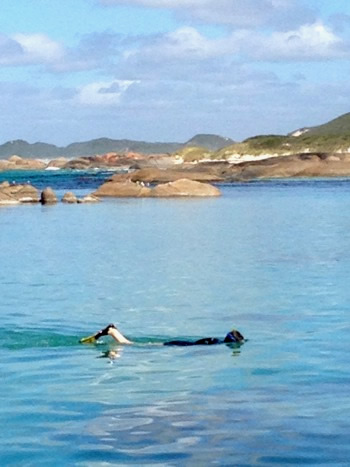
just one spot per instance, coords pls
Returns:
(272, 259)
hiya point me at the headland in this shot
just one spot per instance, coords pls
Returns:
(187, 169)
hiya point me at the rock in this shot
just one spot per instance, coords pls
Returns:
(32, 164)
(89, 199)
(6, 199)
(82, 163)
(159, 161)
(48, 196)
(126, 189)
(27, 194)
(13, 194)
(298, 165)
(4, 165)
(182, 187)
(155, 175)
(58, 163)
(15, 159)
(18, 163)
(185, 188)
(69, 197)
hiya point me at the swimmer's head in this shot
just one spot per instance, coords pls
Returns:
(234, 336)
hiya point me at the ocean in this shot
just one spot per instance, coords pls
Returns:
(268, 258)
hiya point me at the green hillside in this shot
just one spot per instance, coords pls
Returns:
(340, 126)
(105, 145)
(329, 137)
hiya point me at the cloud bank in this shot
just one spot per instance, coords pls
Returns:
(241, 13)
(235, 67)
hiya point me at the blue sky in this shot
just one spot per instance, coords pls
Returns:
(164, 70)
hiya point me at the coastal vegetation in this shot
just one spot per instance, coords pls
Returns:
(105, 145)
(329, 138)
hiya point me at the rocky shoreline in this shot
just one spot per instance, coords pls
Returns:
(168, 168)
(104, 161)
(298, 165)
(13, 194)
(171, 179)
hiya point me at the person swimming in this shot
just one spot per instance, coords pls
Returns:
(233, 337)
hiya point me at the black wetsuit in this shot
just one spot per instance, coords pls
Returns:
(231, 338)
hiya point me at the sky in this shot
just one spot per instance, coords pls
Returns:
(165, 70)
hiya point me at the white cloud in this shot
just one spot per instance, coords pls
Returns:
(102, 93)
(309, 42)
(39, 48)
(188, 48)
(94, 51)
(181, 44)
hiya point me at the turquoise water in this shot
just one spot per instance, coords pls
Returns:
(270, 258)
(79, 181)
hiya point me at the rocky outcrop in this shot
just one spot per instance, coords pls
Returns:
(57, 163)
(300, 165)
(185, 188)
(17, 163)
(89, 199)
(6, 194)
(154, 175)
(26, 164)
(178, 188)
(126, 189)
(15, 194)
(78, 164)
(69, 198)
(109, 160)
(48, 196)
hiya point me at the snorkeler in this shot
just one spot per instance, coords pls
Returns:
(232, 337)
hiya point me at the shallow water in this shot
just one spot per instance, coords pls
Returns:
(270, 258)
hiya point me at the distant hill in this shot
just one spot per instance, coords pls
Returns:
(333, 136)
(25, 149)
(211, 142)
(105, 145)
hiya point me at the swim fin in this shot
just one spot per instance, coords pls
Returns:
(95, 337)
(88, 340)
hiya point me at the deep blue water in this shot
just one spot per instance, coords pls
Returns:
(269, 258)
(61, 181)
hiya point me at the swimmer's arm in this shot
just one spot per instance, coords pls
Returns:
(118, 336)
